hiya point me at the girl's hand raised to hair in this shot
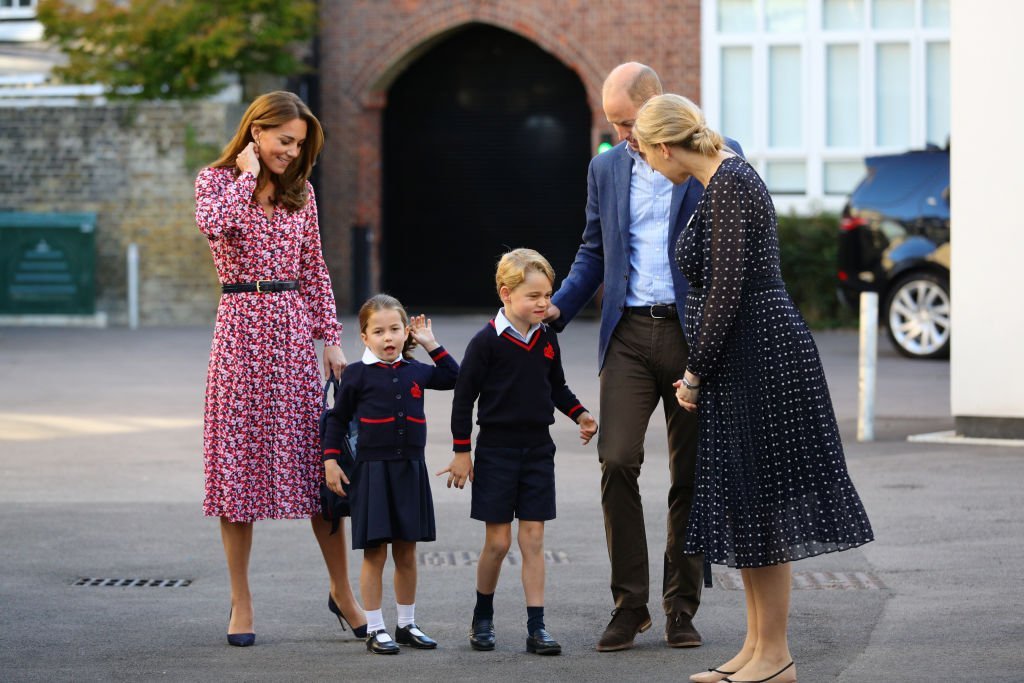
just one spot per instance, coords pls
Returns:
(421, 330)
(248, 161)
(460, 471)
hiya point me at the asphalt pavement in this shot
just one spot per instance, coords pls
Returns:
(101, 483)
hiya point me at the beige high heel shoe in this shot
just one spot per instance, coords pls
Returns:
(711, 676)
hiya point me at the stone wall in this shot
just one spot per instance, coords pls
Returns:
(134, 165)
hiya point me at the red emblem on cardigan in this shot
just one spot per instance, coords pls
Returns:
(416, 391)
(549, 351)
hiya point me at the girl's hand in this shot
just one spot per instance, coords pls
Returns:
(687, 398)
(422, 331)
(334, 361)
(248, 161)
(335, 476)
(588, 427)
(460, 471)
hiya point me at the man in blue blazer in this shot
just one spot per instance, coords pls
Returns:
(634, 216)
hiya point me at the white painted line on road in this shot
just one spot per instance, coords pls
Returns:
(951, 437)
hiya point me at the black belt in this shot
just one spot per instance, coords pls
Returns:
(656, 311)
(261, 286)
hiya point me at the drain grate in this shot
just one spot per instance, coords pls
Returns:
(469, 558)
(731, 580)
(133, 583)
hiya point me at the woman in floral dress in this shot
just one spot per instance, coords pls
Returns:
(260, 436)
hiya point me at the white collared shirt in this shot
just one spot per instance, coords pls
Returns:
(369, 358)
(650, 202)
(501, 323)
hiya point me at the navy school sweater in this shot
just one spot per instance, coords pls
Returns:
(387, 401)
(516, 388)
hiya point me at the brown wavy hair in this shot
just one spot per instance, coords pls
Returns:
(382, 302)
(270, 111)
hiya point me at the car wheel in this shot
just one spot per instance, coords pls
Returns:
(917, 312)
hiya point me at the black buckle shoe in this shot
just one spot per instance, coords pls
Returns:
(412, 636)
(540, 642)
(481, 634)
(381, 647)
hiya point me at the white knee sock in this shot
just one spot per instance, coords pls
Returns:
(406, 614)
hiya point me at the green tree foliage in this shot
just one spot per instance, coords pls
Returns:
(175, 49)
(808, 246)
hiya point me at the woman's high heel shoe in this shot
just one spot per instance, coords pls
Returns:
(240, 639)
(763, 680)
(357, 631)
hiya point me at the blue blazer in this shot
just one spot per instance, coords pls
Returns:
(603, 257)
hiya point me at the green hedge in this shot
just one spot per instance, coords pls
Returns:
(808, 247)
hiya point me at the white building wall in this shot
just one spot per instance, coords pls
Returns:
(987, 188)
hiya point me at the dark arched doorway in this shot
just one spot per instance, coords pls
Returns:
(486, 144)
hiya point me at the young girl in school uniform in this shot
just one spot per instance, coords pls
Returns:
(390, 490)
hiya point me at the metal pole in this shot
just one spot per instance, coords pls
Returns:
(133, 286)
(867, 366)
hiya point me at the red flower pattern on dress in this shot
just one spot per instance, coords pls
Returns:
(260, 436)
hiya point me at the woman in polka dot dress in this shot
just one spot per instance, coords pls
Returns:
(772, 485)
(260, 436)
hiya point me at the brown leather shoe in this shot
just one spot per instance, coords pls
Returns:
(626, 623)
(679, 631)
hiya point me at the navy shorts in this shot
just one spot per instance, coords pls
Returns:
(514, 482)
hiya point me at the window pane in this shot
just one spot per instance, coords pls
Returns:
(843, 14)
(936, 13)
(893, 13)
(782, 16)
(785, 123)
(938, 93)
(786, 177)
(736, 16)
(843, 96)
(842, 176)
(738, 94)
(892, 92)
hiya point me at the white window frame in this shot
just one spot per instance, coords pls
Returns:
(19, 12)
(813, 42)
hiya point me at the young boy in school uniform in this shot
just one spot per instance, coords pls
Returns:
(512, 371)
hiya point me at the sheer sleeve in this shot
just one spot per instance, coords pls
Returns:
(223, 202)
(316, 281)
(729, 212)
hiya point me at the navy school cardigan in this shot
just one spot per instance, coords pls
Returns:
(387, 402)
(516, 388)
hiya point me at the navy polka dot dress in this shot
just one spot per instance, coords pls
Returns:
(772, 484)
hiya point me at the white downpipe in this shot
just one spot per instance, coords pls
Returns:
(867, 366)
(133, 286)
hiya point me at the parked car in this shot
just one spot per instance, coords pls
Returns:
(894, 240)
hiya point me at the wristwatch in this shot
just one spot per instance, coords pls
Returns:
(686, 383)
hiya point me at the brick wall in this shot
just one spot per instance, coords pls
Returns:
(134, 165)
(366, 44)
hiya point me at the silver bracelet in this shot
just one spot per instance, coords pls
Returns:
(686, 383)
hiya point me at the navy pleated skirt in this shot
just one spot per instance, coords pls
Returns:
(391, 501)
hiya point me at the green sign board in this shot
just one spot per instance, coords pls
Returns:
(47, 263)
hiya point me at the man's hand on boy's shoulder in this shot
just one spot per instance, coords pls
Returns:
(588, 427)
(459, 470)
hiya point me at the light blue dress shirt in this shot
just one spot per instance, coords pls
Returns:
(650, 200)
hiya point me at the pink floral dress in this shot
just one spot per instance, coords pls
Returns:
(260, 436)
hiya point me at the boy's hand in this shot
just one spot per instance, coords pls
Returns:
(422, 331)
(588, 427)
(460, 470)
(335, 476)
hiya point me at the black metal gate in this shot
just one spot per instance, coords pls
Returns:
(486, 144)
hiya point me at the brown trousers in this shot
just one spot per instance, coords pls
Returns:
(644, 357)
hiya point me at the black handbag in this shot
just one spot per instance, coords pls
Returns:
(333, 507)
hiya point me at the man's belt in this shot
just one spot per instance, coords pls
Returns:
(261, 286)
(656, 311)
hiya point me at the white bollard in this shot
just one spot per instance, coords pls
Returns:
(867, 366)
(133, 286)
